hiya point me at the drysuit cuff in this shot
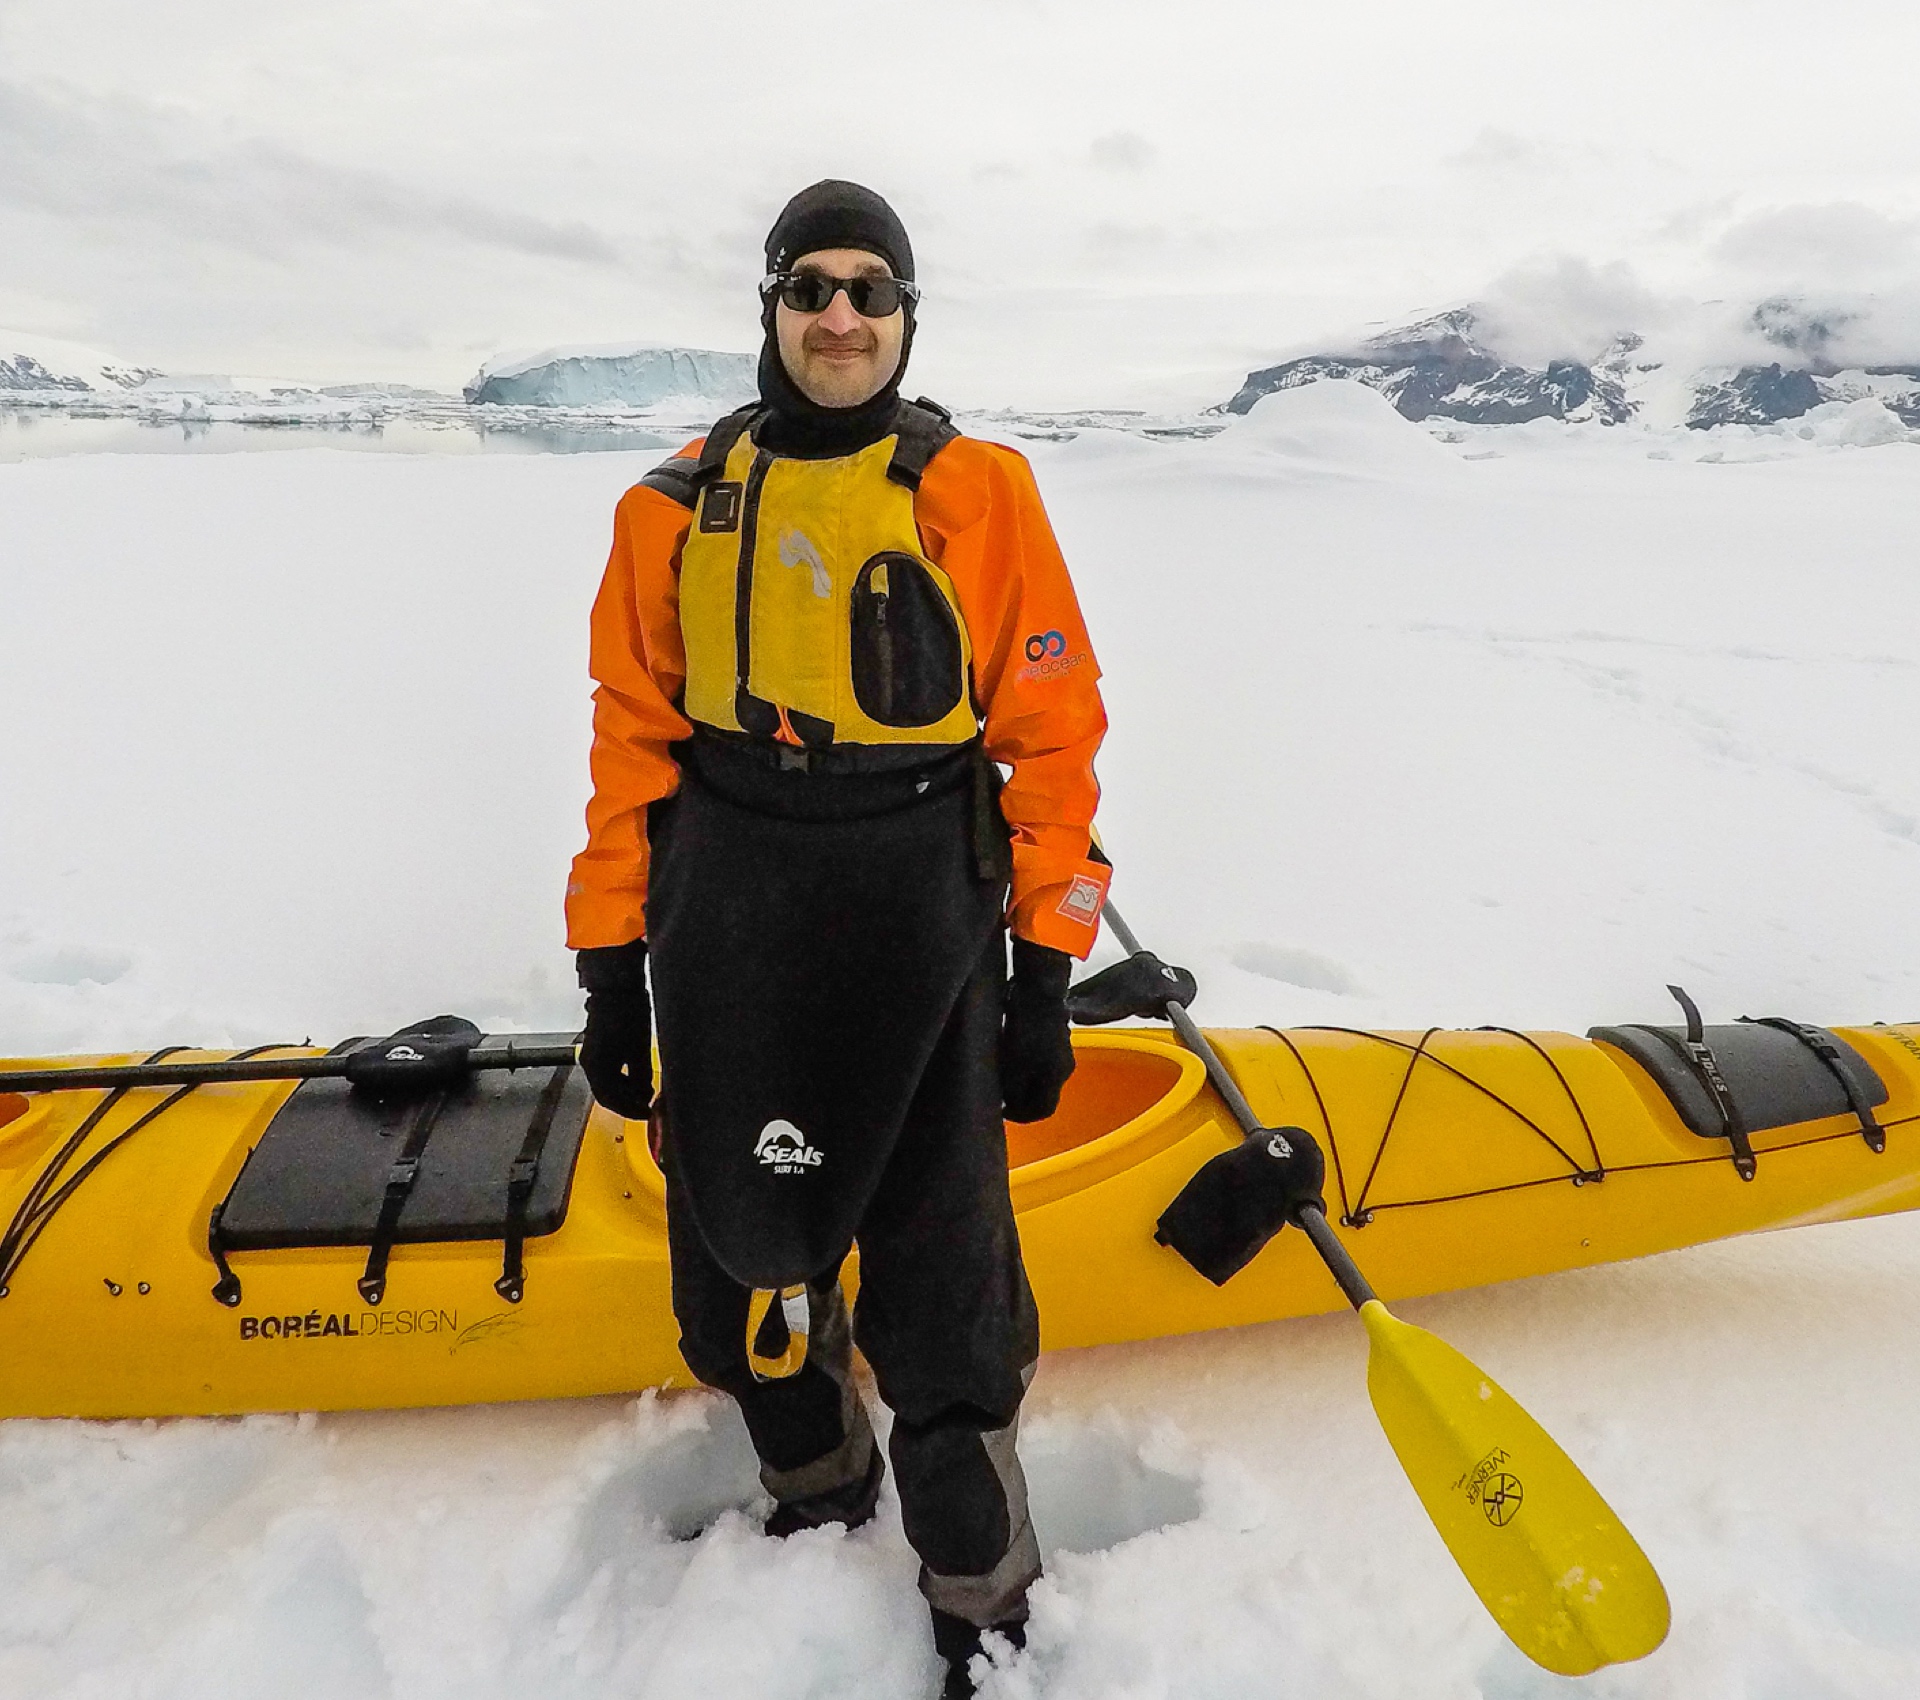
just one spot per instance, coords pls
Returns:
(613, 967)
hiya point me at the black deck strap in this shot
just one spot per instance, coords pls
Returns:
(400, 1179)
(1706, 1068)
(521, 1175)
(1823, 1046)
(921, 430)
(227, 1288)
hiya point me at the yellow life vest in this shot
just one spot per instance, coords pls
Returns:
(810, 613)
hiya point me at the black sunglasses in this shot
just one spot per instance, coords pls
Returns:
(813, 292)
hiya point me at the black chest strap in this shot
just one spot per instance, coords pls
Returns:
(921, 430)
(681, 479)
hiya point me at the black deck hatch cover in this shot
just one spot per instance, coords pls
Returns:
(319, 1173)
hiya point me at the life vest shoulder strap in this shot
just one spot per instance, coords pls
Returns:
(921, 430)
(681, 479)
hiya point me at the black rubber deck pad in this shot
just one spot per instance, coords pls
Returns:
(319, 1173)
(1776, 1080)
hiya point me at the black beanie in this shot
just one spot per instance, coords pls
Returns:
(831, 214)
(834, 214)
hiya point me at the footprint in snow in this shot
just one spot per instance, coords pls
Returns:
(1090, 1488)
(1292, 966)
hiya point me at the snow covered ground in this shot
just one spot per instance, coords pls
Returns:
(1511, 729)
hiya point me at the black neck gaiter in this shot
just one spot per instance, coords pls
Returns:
(803, 428)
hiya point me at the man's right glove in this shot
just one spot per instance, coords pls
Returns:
(616, 1050)
(1036, 1056)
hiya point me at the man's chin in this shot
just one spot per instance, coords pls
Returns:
(840, 386)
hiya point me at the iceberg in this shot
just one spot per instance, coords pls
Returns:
(621, 375)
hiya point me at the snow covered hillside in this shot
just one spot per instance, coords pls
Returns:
(38, 363)
(1705, 365)
(1511, 730)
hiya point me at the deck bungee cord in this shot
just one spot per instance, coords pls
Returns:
(39, 1207)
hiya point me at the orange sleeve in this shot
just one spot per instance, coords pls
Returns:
(1034, 677)
(639, 666)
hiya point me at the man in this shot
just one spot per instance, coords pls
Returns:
(825, 630)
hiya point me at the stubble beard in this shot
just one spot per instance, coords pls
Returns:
(841, 369)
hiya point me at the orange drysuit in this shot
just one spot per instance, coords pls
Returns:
(1034, 684)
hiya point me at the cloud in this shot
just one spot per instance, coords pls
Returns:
(1123, 151)
(1566, 309)
(120, 164)
(1838, 243)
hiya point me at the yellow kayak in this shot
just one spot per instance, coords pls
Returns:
(209, 1250)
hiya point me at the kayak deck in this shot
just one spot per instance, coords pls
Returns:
(1454, 1159)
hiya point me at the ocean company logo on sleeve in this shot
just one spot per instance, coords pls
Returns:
(1047, 656)
(783, 1148)
(1083, 900)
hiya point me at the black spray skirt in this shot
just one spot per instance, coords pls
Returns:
(803, 971)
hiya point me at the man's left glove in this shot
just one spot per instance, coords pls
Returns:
(1036, 1056)
(616, 1050)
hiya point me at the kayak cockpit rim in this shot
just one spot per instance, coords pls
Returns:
(1132, 1095)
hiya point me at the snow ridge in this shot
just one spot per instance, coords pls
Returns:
(1450, 366)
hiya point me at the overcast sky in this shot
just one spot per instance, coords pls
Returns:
(1109, 201)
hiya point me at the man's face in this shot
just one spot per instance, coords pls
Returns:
(835, 357)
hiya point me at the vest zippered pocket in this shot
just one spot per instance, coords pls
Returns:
(907, 665)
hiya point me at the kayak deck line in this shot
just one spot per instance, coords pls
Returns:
(1461, 1157)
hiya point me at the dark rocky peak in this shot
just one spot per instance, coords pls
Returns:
(1755, 395)
(1793, 325)
(24, 372)
(1439, 368)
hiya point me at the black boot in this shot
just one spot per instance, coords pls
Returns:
(851, 1504)
(957, 1640)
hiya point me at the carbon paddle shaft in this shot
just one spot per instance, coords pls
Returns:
(1313, 1223)
(253, 1068)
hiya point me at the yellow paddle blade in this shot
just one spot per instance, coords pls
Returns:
(1542, 1549)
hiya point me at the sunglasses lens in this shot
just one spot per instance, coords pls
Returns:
(807, 292)
(874, 297)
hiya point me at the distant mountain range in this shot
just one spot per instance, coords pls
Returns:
(44, 364)
(1448, 367)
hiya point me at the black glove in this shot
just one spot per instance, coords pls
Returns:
(418, 1059)
(1239, 1200)
(1036, 1056)
(1140, 987)
(616, 1050)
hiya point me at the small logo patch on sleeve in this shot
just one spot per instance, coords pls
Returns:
(1083, 900)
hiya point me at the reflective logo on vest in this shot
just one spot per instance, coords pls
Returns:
(797, 550)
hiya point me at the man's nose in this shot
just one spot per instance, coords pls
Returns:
(840, 318)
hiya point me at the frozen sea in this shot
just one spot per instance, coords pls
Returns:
(1514, 728)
